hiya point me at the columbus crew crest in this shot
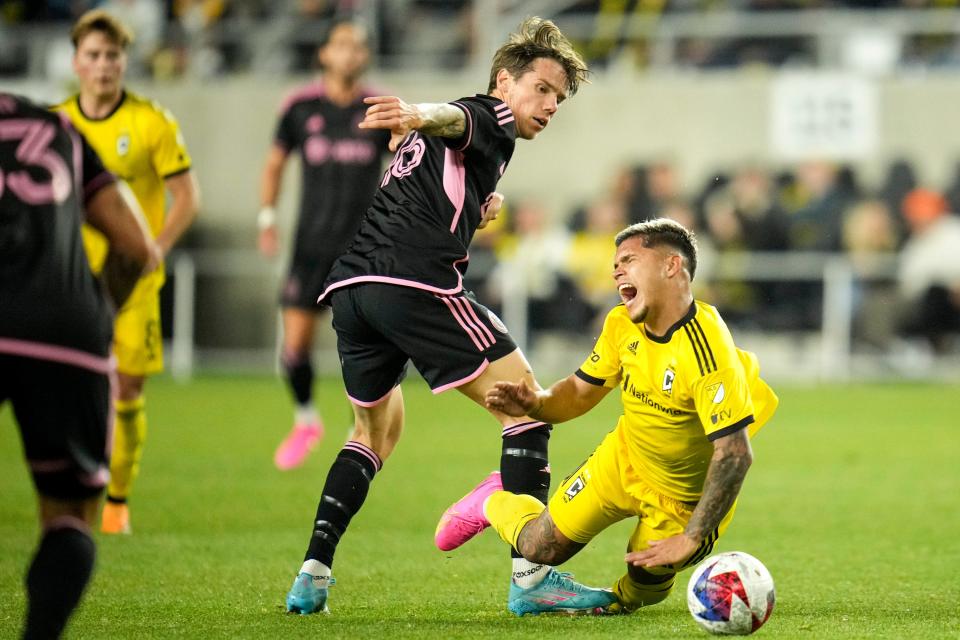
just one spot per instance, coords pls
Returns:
(668, 377)
(123, 144)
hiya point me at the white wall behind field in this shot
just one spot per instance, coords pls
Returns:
(702, 123)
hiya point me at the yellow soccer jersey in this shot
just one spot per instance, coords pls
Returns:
(141, 143)
(679, 392)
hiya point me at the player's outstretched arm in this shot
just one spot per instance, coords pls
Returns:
(400, 118)
(565, 400)
(132, 250)
(732, 457)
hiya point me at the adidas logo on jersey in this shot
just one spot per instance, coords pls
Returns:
(632, 347)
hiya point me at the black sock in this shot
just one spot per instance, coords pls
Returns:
(299, 372)
(524, 466)
(343, 494)
(56, 579)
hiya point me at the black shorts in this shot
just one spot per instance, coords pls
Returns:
(450, 339)
(65, 416)
(304, 282)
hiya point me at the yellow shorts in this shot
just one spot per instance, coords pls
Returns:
(137, 341)
(595, 496)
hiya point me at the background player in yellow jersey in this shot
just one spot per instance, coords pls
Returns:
(140, 142)
(681, 449)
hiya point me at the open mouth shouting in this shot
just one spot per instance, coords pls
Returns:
(627, 293)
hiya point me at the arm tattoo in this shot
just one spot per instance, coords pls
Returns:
(443, 120)
(728, 468)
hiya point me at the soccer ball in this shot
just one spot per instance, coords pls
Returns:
(731, 594)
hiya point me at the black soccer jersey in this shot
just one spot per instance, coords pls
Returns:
(423, 217)
(340, 167)
(48, 295)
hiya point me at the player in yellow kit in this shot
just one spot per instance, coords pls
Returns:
(140, 142)
(679, 453)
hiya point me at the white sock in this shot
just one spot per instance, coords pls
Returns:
(315, 568)
(527, 574)
(306, 414)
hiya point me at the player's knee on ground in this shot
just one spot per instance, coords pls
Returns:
(638, 588)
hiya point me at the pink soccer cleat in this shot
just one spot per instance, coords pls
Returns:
(293, 450)
(465, 519)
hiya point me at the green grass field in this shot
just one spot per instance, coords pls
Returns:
(853, 503)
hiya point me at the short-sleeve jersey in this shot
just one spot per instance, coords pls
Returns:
(429, 204)
(679, 391)
(340, 166)
(140, 142)
(48, 295)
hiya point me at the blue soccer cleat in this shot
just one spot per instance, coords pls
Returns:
(558, 593)
(309, 594)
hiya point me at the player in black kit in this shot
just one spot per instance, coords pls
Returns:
(340, 168)
(397, 295)
(56, 326)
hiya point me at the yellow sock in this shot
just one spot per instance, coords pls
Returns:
(509, 512)
(129, 434)
(632, 595)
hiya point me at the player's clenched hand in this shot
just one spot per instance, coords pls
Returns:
(512, 399)
(490, 208)
(670, 551)
(390, 112)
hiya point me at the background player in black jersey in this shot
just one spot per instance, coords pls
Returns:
(397, 295)
(55, 333)
(340, 167)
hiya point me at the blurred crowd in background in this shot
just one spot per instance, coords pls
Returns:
(815, 207)
(210, 37)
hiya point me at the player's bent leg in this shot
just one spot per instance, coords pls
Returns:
(524, 459)
(62, 565)
(465, 518)
(378, 427)
(539, 539)
(307, 430)
(130, 436)
(640, 588)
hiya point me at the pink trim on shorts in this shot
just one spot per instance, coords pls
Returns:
(456, 316)
(472, 312)
(361, 403)
(456, 383)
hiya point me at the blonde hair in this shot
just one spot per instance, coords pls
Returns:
(538, 38)
(108, 25)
